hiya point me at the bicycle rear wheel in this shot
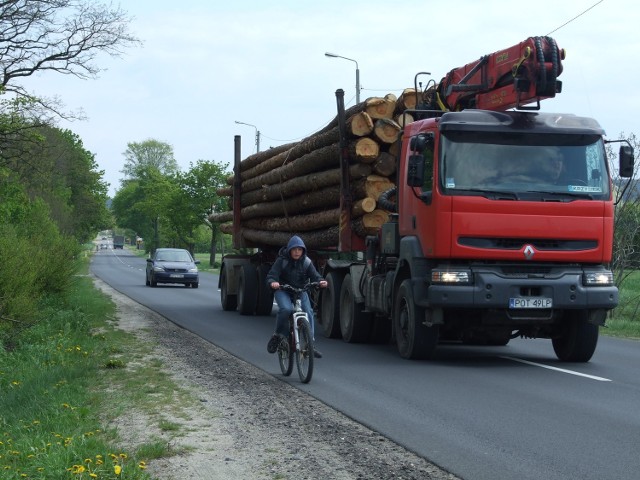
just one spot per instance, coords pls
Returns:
(285, 357)
(304, 356)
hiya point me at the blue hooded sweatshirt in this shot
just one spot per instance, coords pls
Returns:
(296, 273)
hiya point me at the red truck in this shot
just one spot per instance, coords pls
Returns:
(501, 223)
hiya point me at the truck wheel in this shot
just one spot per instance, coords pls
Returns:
(329, 318)
(355, 324)
(229, 302)
(414, 339)
(578, 339)
(247, 289)
(264, 303)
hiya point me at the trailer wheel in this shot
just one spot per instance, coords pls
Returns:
(229, 302)
(247, 289)
(355, 323)
(329, 318)
(414, 339)
(264, 303)
(578, 339)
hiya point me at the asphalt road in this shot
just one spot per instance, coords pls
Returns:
(482, 413)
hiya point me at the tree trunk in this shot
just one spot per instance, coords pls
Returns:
(380, 107)
(325, 198)
(296, 223)
(304, 147)
(370, 223)
(372, 186)
(364, 150)
(386, 130)
(385, 164)
(257, 158)
(325, 238)
(316, 160)
(360, 124)
(362, 206)
(300, 185)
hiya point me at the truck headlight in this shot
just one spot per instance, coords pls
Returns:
(600, 279)
(451, 276)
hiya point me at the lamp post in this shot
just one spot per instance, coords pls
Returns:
(333, 55)
(257, 134)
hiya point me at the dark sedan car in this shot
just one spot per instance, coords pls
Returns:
(172, 265)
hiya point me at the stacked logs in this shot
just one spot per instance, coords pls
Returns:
(295, 188)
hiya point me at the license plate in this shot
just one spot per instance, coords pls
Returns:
(537, 302)
(176, 275)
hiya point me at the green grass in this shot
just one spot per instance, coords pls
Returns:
(624, 321)
(66, 379)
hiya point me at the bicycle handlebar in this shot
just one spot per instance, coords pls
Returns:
(307, 287)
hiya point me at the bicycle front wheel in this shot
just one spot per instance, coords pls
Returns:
(304, 356)
(285, 357)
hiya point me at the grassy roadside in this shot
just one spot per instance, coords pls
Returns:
(65, 382)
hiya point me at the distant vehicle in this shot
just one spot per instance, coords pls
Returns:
(118, 241)
(172, 265)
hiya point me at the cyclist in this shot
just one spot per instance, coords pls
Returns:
(294, 268)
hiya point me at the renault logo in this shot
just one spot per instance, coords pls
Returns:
(529, 252)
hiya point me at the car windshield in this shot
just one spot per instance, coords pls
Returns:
(174, 256)
(476, 163)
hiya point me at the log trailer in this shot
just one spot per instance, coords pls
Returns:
(501, 222)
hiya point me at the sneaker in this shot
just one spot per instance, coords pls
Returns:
(274, 341)
(317, 353)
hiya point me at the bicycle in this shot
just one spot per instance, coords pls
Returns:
(299, 343)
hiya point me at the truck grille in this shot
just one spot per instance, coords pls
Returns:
(519, 243)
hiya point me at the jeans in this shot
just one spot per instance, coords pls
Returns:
(285, 309)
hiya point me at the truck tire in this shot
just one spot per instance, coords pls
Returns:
(247, 289)
(264, 304)
(229, 302)
(355, 323)
(329, 317)
(578, 339)
(414, 339)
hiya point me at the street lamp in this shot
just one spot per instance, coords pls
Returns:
(333, 55)
(257, 134)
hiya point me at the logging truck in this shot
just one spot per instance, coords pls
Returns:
(456, 212)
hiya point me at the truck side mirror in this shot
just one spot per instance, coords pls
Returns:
(626, 160)
(415, 171)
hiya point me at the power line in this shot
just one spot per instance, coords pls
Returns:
(579, 15)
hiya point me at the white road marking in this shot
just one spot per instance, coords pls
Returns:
(562, 370)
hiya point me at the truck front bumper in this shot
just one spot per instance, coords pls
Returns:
(493, 289)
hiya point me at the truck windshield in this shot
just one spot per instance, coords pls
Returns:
(472, 163)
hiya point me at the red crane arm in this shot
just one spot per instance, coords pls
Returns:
(515, 77)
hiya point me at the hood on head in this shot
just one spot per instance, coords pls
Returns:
(294, 242)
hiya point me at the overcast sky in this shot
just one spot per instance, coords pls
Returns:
(205, 64)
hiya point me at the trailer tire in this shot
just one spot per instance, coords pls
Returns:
(229, 302)
(355, 323)
(329, 317)
(578, 339)
(264, 304)
(414, 339)
(247, 289)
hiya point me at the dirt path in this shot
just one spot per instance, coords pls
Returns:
(247, 423)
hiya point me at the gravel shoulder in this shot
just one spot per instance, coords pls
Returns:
(247, 424)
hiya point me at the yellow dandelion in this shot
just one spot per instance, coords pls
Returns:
(142, 465)
(93, 475)
(117, 469)
(123, 455)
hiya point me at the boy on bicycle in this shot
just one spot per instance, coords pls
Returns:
(294, 268)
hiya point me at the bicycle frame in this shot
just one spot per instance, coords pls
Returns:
(300, 342)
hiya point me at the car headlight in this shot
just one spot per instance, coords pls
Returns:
(450, 276)
(158, 269)
(193, 270)
(602, 278)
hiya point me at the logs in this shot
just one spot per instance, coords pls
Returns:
(295, 188)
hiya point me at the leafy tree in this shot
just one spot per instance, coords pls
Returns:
(60, 171)
(195, 200)
(140, 157)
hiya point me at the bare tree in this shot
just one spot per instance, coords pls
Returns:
(63, 36)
